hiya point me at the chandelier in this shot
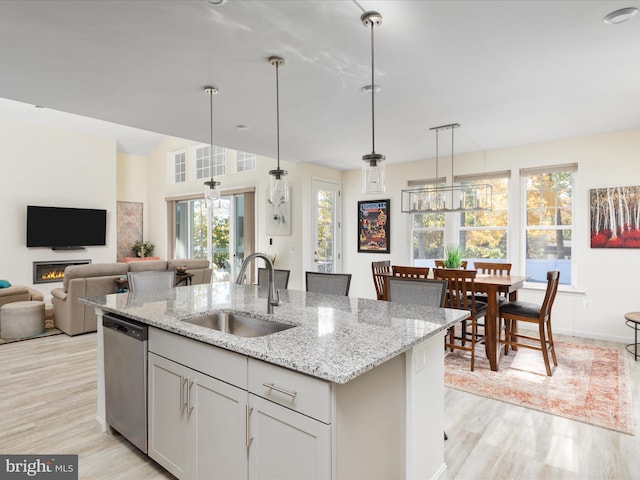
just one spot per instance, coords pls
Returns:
(438, 198)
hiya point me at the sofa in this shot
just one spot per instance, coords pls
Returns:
(97, 279)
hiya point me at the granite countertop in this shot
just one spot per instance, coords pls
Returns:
(336, 338)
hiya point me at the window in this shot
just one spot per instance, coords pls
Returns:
(484, 234)
(427, 232)
(246, 161)
(179, 167)
(548, 231)
(480, 234)
(203, 161)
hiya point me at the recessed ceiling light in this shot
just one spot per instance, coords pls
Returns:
(216, 2)
(367, 88)
(620, 16)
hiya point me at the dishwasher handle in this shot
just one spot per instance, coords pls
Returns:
(136, 330)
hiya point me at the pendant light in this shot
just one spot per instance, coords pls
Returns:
(278, 186)
(372, 163)
(211, 191)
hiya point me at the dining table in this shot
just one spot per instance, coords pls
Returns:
(493, 286)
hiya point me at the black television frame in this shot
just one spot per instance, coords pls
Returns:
(62, 228)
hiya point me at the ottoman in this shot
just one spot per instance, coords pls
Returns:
(21, 319)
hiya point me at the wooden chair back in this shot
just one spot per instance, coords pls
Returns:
(410, 272)
(379, 270)
(463, 264)
(492, 268)
(461, 287)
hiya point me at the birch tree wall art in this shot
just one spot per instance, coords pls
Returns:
(615, 217)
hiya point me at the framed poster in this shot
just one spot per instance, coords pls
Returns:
(373, 226)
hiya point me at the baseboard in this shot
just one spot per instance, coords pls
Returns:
(101, 425)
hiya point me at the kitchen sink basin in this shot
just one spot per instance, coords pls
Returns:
(239, 325)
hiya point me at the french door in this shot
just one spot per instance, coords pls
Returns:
(223, 234)
(326, 209)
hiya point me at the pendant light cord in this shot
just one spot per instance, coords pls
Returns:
(373, 95)
(277, 115)
(211, 133)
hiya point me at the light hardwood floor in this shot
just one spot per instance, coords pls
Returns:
(47, 405)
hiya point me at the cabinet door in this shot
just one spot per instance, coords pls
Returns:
(286, 444)
(168, 414)
(218, 424)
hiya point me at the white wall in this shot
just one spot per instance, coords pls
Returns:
(52, 167)
(605, 278)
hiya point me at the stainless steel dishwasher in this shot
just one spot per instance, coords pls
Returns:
(125, 377)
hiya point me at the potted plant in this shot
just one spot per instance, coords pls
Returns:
(453, 256)
(142, 249)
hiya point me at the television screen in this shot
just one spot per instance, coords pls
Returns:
(65, 227)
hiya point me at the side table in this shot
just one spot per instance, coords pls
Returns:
(633, 321)
(184, 278)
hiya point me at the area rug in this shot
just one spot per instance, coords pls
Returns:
(591, 384)
(47, 332)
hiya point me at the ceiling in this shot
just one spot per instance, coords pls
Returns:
(510, 72)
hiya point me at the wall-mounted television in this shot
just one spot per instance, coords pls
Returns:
(58, 227)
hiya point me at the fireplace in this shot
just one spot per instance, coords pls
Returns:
(48, 272)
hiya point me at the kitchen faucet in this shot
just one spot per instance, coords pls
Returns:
(273, 299)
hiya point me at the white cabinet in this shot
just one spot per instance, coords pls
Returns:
(285, 444)
(197, 424)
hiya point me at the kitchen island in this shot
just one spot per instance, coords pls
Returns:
(354, 390)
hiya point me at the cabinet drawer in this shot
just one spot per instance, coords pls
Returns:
(216, 362)
(299, 392)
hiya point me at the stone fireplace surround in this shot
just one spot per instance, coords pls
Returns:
(53, 271)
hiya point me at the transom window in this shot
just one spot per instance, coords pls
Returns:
(204, 167)
(179, 167)
(245, 162)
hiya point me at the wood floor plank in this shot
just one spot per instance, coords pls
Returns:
(48, 405)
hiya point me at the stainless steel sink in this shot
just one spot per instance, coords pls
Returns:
(239, 325)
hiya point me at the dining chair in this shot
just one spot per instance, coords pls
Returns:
(410, 272)
(417, 291)
(463, 264)
(331, 283)
(379, 270)
(514, 312)
(150, 281)
(461, 286)
(492, 268)
(280, 277)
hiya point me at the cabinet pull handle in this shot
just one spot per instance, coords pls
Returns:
(272, 386)
(248, 436)
(183, 381)
(189, 405)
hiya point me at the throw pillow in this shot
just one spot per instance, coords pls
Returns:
(4, 284)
